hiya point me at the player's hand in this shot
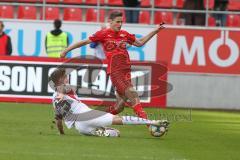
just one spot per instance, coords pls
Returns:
(63, 54)
(61, 133)
(160, 27)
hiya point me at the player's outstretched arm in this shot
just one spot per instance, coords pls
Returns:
(74, 46)
(141, 41)
(60, 126)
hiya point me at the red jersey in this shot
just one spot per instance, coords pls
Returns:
(114, 45)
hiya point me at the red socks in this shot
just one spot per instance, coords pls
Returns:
(139, 111)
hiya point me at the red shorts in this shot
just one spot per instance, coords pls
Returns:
(121, 80)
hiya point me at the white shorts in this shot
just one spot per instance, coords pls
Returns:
(85, 119)
(87, 127)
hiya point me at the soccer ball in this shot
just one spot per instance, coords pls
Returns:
(157, 131)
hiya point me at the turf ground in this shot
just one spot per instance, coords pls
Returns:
(26, 134)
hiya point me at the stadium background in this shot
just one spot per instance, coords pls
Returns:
(203, 61)
(203, 68)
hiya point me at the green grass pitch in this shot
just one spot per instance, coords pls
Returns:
(26, 134)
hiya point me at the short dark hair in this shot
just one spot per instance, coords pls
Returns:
(56, 75)
(57, 23)
(115, 14)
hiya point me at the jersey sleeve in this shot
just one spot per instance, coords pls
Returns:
(57, 112)
(93, 45)
(131, 38)
(97, 37)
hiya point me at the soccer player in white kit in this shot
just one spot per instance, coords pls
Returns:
(87, 121)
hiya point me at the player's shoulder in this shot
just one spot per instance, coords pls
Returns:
(105, 30)
(101, 32)
(124, 32)
(54, 95)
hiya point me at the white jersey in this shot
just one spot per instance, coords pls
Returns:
(75, 113)
(69, 106)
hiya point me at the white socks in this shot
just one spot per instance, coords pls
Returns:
(135, 120)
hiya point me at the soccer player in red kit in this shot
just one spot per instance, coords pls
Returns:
(114, 42)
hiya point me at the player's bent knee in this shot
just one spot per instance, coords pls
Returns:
(132, 95)
(132, 91)
(117, 120)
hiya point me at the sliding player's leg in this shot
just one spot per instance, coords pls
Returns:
(90, 130)
(127, 120)
(132, 120)
(98, 126)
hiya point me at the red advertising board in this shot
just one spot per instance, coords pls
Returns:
(200, 50)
